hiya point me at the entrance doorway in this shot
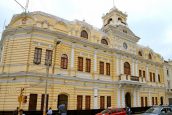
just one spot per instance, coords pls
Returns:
(128, 99)
(62, 99)
(161, 99)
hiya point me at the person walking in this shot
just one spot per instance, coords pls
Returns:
(62, 109)
(50, 112)
(21, 112)
(128, 110)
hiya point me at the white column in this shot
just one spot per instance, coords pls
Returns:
(95, 98)
(119, 97)
(133, 69)
(134, 100)
(137, 68)
(156, 74)
(95, 61)
(138, 98)
(123, 98)
(72, 57)
(147, 73)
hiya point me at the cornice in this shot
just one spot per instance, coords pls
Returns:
(57, 76)
(74, 39)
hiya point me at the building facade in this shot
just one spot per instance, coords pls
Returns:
(84, 67)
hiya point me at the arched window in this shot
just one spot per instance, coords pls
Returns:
(64, 61)
(127, 68)
(109, 21)
(140, 53)
(119, 19)
(104, 41)
(84, 34)
(150, 56)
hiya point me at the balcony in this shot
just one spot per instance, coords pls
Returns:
(131, 80)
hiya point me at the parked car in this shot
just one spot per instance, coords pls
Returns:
(113, 111)
(159, 110)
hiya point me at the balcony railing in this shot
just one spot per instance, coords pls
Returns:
(131, 79)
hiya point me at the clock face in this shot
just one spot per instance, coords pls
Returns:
(125, 45)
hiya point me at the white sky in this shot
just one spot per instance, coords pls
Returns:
(148, 19)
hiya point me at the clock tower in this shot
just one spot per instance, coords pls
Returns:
(114, 17)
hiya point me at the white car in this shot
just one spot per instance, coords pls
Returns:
(159, 110)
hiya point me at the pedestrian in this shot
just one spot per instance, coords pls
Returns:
(21, 112)
(62, 109)
(128, 110)
(50, 112)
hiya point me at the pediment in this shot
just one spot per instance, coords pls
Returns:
(21, 19)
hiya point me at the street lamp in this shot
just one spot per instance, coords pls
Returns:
(46, 81)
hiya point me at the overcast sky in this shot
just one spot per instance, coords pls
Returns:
(151, 20)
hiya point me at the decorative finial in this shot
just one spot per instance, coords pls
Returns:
(114, 4)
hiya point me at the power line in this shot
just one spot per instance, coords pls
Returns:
(26, 6)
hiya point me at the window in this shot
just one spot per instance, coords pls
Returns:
(37, 55)
(88, 65)
(48, 57)
(107, 68)
(79, 102)
(109, 21)
(153, 77)
(161, 100)
(150, 73)
(64, 61)
(146, 101)
(125, 45)
(167, 72)
(102, 102)
(152, 100)
(33, 102)
(156, 101)
(80, 63)
(127, 68)
(150, 56)
(144, 75)
(104, 41)
(101, 67)
(119, 19)
(84, 34)
(87, 102)
(108, 101)
(159, 79)
(140, 53)
(142, 102)
(140, 73)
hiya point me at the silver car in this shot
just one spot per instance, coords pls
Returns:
(159, 110)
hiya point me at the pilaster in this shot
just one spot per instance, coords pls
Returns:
(95, 98)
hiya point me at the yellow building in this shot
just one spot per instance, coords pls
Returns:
(85, 67)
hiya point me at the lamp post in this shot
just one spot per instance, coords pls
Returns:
(46, 81)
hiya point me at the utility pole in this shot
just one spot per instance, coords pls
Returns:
(20, 98)
(46, 81)
(45, 96)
